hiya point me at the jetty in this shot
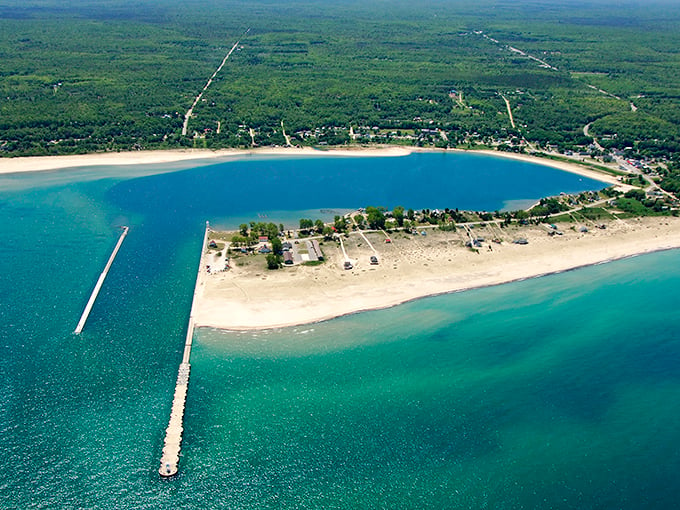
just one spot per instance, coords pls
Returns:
(100, 282)
(173, 434)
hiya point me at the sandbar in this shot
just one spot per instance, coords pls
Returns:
(44, 163)
(249, 297)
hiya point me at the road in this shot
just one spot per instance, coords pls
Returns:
(283, 130)
(190, 111)
(507, 104)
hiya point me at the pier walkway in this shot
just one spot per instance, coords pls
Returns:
(173, 434)
(100, 282)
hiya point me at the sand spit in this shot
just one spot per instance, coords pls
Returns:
(43, 163)
(249, 296)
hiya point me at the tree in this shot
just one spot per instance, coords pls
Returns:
(398, 214)
(411, 214)
(243, 229)
(319, 226)
(271, 230)
(340, 223)
(306, 223)
(238, 240)
(277, 245)
(273, 261)
(359, 219)
(376, 218)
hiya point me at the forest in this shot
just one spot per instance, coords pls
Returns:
(114, 75)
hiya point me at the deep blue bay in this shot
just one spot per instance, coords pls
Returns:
(557, 392)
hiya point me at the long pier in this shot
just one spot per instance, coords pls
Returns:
(173, 434)
(100, 282)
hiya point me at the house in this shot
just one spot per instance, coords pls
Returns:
(288, 258)
(262, 239)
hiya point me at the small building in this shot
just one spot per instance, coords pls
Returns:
(265, 249)
(288, 258)
(212, 244)
(374, 260)
(262, 239)
(317, 249)
(311, 253)
(520, 240)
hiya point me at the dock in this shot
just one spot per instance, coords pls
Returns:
(173, 434)
(100, 282)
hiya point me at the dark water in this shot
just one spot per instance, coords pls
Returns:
(559, 392)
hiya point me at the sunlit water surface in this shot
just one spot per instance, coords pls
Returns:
(558, 392)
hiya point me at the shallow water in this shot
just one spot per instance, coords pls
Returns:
(556, 392)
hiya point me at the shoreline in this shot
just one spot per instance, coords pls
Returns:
(154, 157)
(243, 302)
(434, 295)
(151, 157)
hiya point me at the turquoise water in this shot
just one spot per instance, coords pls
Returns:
(558, 392)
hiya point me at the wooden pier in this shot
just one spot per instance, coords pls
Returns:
(98, 286)
(173, 434)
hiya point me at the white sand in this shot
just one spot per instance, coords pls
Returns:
(566, 166)
(42, 163)
(251, 297)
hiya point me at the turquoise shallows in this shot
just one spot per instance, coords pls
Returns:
(557, 392)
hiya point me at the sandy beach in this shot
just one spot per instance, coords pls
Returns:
(251, 297)
(565, 166)
(45, 163)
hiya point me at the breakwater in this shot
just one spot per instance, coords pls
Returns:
(100, 282)
(173, 434)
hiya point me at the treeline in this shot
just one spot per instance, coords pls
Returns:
(120, 77)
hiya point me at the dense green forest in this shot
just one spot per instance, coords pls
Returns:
(113, 75)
